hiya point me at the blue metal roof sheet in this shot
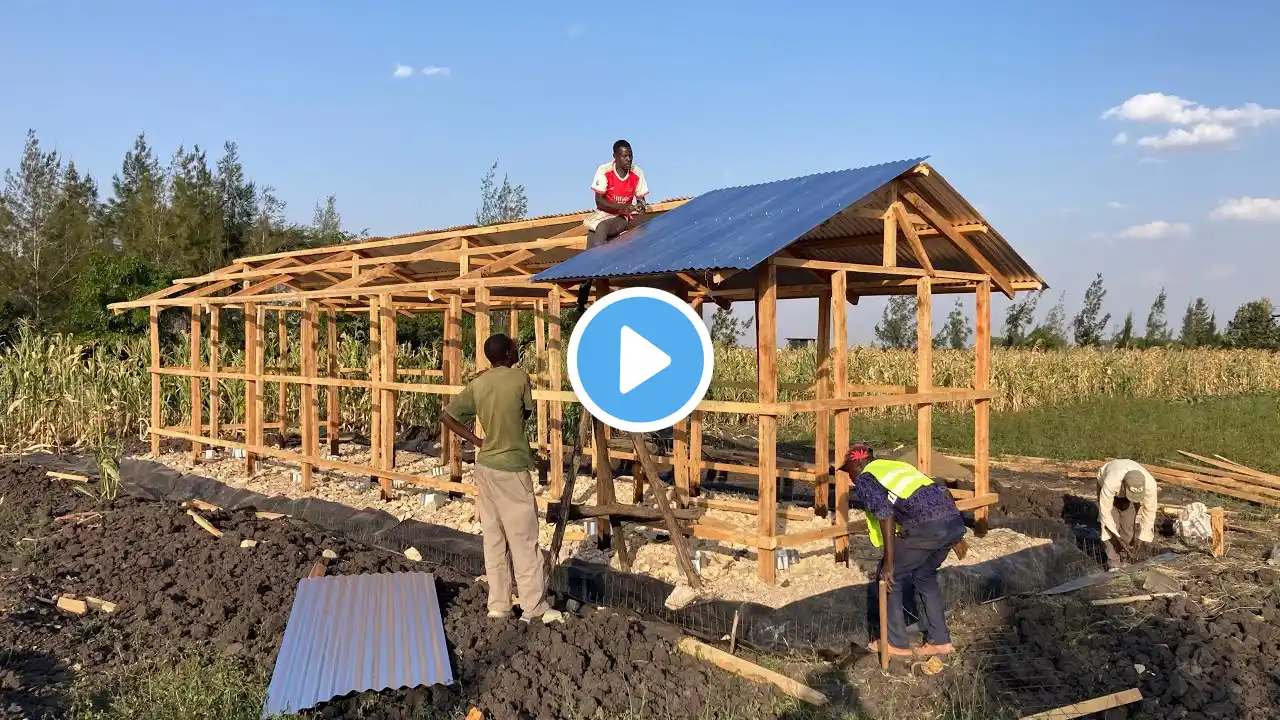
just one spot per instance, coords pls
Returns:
(735, 228)
(353, 633)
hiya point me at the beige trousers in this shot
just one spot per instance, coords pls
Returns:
(509, 521)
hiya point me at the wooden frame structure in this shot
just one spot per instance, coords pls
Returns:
(947, 248)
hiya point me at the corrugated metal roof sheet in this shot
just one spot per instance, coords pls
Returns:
(731, 228)
(353, 633)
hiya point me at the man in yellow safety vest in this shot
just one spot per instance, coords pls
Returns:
(917, 523)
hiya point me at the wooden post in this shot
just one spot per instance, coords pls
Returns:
(695, 453)
(453, 374)
(555, 375)
(254, 410)
(680, 447)
(197, 397)
(390, 349)
(604, 484)
(840, 388)
(891, 228)
(767, 385)
(215, 347)
(924, 374)
(513, 324)
(332, 369)
(1218, 529)
(982, 408)
(482, 327)
(822, 419)
(307, 395)
(282, 362)
(157, 416)
(540, 378)
(375, 393)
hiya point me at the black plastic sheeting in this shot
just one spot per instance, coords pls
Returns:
(830, 622)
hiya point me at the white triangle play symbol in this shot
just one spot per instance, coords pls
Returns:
(640, 360)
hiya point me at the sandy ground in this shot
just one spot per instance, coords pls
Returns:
(728, 571)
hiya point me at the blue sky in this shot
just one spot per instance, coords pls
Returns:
(1006, 97)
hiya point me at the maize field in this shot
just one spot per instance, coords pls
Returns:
(57, 391)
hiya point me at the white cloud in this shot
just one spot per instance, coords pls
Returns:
(576, 30)
(1198, 135)
(1220, 271)
(436, 70)
(1155, 230)
(1116, 205)
(1195, 125)
(1248, 208)
(402, 71)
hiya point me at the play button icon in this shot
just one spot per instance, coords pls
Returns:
(640, 359)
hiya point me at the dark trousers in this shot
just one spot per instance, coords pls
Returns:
(1125, 515)
(917, 555)
(607, 230)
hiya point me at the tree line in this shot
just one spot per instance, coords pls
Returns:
(1255, 324)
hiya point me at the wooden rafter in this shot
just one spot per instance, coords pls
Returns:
(837, 242)
(913, 238)
(943, 226)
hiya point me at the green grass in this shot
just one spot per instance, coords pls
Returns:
(1243, 428)
(189, 690)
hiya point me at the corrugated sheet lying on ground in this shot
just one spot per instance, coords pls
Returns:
(730, 228)
(353, 633)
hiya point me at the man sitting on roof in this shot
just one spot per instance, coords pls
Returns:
(620, 191)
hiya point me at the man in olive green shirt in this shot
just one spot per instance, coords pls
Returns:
(502, 400)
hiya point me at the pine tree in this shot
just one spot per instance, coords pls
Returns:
(1199, 325)
(1090, 323)
(726, 327)
(956, 330)
(50, 213)
(238, 199)
(1254, 326)
(195, 212)
(269, 231)
(136, 212)
(1157, 322)
(326, 223)
(500, 203)
(1124, 338)
(897, 326)
(1018, 318)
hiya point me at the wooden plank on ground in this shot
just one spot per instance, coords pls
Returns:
(1089, 707)
(751, 671)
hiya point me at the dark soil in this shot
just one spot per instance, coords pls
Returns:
(182, 592)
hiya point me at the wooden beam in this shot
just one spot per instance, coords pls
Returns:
(332, 409)
(767, 379)
(840, 387)
(982, 408)
(215, 349)
(1089, 707)
(453, 376)
(197, 395)
(847, 240)
(390, 352)
(822, 419)
(913, 240)
(960, 241)
(504, 263)
(683, 559)
(890, 220)
(555, 375)
(540, 371)
(924, 375)
(157, 418)
(307, 409)
(376, 423)
(874, 269)
(255, 407)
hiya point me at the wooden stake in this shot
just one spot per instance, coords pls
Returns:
(215, 349)
(253, 405)
(1218, 525)
(332, 412)
(307, 408)
(555, 373)
(924, 374)
(883, 590)
(157, 420)
(822, 418)
(453, 375)
(202, 522)
(767, 384)
(751, 671)
(197, 397)
(282, 360)
(390, 357)
(695, 454)
(1089, 707)
(678, 542)
(982, 408)
(840, 376)
(1131, 599)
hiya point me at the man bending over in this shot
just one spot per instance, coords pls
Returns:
(620, 190)
(502, 400)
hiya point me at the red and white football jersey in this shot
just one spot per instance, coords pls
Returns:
(616, 189)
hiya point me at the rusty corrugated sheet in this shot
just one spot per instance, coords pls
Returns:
(354, 633)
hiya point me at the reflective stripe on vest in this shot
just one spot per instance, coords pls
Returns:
(900, 480)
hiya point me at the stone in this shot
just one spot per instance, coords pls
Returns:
(572, 605)
(329, 554)
(431, 502)
(1274, 558)
(680, 597)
